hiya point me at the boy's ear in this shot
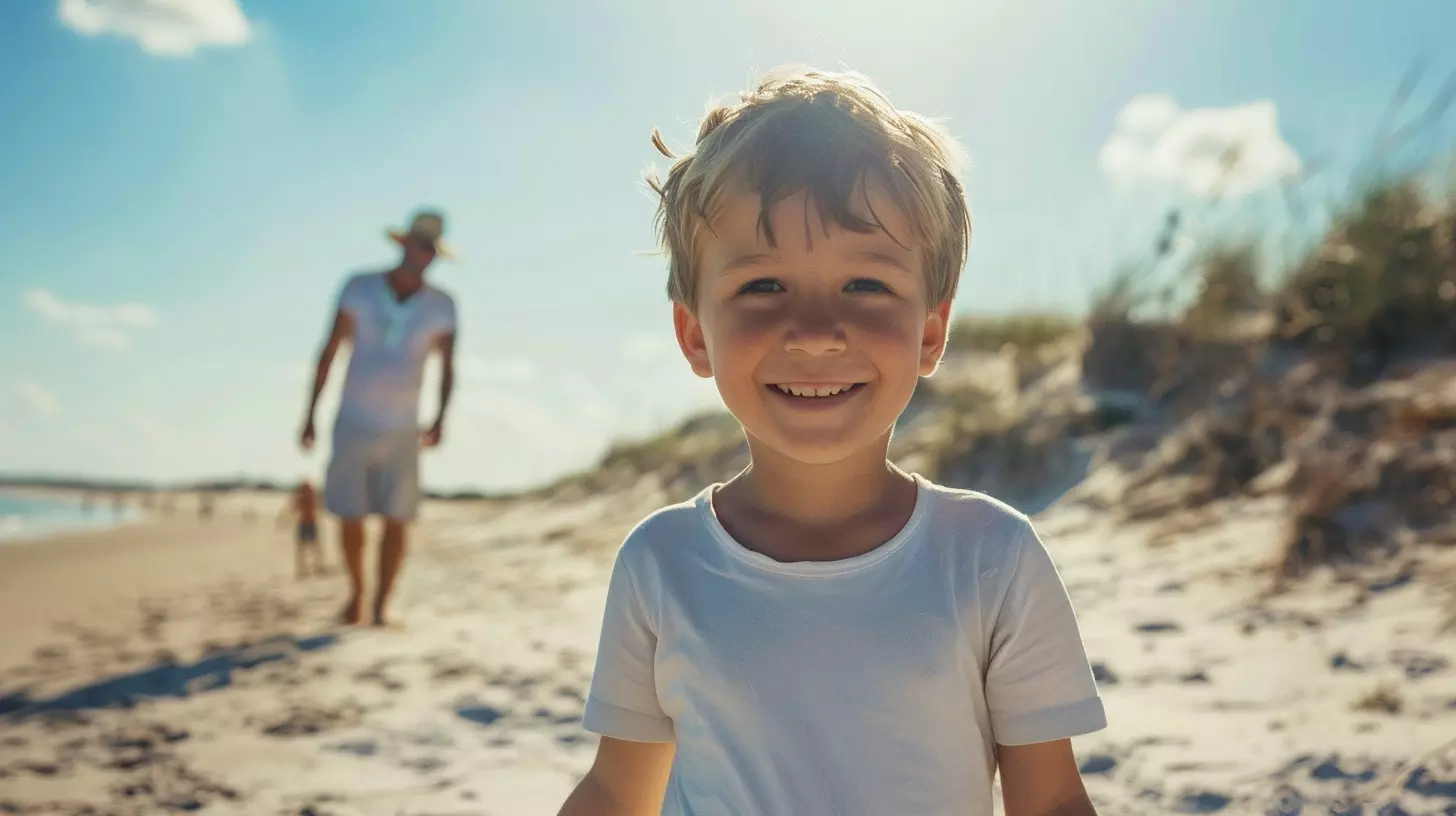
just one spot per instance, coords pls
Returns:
(691, 340)
(932, 342)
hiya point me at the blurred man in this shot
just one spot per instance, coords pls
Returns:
(395, 320)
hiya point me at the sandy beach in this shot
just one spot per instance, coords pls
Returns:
(178, 666)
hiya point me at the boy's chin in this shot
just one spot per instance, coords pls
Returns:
(817, 449)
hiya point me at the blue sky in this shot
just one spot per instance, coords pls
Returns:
(183, 199)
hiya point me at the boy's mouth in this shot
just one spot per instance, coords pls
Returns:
(815, 390)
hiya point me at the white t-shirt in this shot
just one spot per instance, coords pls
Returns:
(872, 685)
(392, 339)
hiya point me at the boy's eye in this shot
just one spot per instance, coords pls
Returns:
(866, 285)
(762, 286)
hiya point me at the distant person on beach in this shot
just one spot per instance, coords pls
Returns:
(204, 506)
(826, 633)
(303, 508)
(395, 320)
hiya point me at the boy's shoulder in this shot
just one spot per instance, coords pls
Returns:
(974, 522)
(667, 528)
(972, 503)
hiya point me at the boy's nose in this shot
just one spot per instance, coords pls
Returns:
(815, 331)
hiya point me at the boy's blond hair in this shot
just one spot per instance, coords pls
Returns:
(826, 133)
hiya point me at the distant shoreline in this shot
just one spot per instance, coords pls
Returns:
(82, 485)
(75, 485)
(75, 518)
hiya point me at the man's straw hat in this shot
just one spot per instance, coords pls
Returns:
(427, 227)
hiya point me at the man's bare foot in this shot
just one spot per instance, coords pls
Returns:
(353, 612)
(384, 622)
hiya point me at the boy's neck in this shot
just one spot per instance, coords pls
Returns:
(818, 496)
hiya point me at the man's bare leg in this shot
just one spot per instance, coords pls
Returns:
(391, 556)
(351, 533)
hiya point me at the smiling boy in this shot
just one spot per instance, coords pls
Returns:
(825, 633)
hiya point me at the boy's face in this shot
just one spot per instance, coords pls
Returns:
(816, 344)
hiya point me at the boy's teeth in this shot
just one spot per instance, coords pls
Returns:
(813, 390)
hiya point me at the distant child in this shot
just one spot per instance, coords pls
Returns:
(826, 633)
(304, 507)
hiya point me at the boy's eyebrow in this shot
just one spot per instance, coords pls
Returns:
(746, 260)
(881, 258)
(752, 259)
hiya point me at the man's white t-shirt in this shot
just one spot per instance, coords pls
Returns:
(873, 685)
(391, 340)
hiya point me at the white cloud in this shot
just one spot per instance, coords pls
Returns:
(40, 401)
(107, 326)
(1232, 151)
(486, 369)
(168, 28)
(647, 347)
(586, 401)
(150, 430)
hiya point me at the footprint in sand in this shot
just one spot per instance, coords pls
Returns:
(375, 675)
(1342, 661)
(1202, 802)
(300, 721)
(571, 693)
(1424, 783)
(450, 668)
(1103, 674)
(1418, 664)
(1288, 801)
(39, 768)
(480, 714)
(359, 748)
(1157, 627)
(1330, 770)
(424, 765)
(554, 718)
(173, 786)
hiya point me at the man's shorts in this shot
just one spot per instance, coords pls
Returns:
(374, 473)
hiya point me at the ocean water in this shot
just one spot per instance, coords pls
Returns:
(28, 515)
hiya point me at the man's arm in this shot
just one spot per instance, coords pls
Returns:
(1042, 779)
(626, 779)
(343, 329)
(446, 344)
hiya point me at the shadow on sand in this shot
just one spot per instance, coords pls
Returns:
(164, 679)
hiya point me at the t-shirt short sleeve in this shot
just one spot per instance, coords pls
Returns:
(448, 321)
(352, 294)
(1039, 684)
(623, 700)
